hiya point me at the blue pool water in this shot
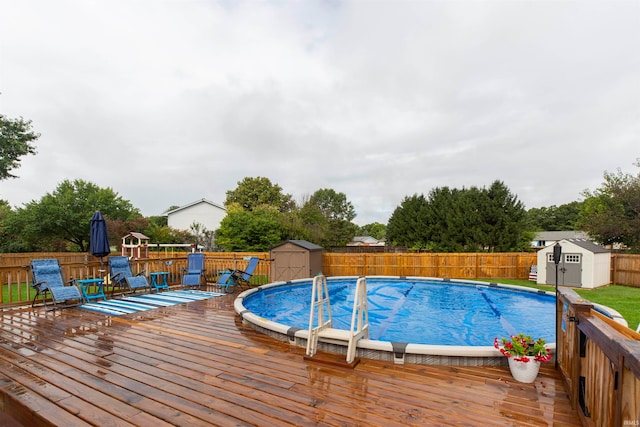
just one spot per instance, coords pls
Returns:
(419, 311)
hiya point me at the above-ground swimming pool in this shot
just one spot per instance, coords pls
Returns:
(417, 319)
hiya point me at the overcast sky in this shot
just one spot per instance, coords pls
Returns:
(169, 102)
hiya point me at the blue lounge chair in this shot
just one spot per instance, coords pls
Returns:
(46, 278)
(121, 275)
(244, 276)
(226, 282)
(231, 279)
(192, 275)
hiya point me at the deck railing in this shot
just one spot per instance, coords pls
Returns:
(600, 361)
(16, 279)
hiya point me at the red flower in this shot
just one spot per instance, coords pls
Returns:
(523, 347)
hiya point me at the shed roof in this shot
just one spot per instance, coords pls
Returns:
(588, 245)
(581, 243)
(302, 243)
(136, 235)
(559, 235)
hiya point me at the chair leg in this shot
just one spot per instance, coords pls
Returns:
(33, 303)
(51, 306)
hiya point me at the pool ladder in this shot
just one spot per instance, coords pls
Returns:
(320, 316)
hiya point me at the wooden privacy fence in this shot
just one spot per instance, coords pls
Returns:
(600, 361)
(625, 270)
(446, 265)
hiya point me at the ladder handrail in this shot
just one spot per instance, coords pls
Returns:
(319, 298)
(359, 317)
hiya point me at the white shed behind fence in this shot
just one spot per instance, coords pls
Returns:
(583, 264)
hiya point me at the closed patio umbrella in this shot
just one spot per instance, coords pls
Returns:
(99, 239)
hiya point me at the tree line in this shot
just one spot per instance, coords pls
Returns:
(260, 214)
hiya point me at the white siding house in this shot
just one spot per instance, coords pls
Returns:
(546, 238)
(203, 212)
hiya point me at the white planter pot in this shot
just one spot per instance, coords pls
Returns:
(524, 372)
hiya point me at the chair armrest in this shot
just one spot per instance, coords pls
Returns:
(142, 273)
(38, 285)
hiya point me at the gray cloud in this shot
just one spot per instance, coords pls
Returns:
(168, 102)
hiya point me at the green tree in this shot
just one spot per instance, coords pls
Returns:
(65, 215)
(118, 228)
(554, 218)
(611, 213)
(8, 241)
(407, 224)
(294, 227)
(158, 220)
(158, 233)
(328, 215)
(374, 229)
(202, 236)
(249, 231)
(254, 192)
(15, 142)
(503, 222)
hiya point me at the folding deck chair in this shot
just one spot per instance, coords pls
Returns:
(192, 275)
(225, 280)
(120, 271)
(234, 278)
(46, 278)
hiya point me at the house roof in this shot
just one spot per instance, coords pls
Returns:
(559, 235)
(197, 202)
(302, 243)
(364, 239)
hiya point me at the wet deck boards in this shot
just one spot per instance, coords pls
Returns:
(195, 364)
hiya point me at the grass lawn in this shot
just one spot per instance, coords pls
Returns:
(624, 299)
(18, 293)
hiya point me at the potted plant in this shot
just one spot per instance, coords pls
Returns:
(524, 354)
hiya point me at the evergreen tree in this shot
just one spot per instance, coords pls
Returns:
(460, 220)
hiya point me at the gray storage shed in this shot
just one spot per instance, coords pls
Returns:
(583, 264)
(295, 259)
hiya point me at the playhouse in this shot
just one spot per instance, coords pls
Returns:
(135, 245)
(582, 264)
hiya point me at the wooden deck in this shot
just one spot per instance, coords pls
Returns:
(195, 364)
